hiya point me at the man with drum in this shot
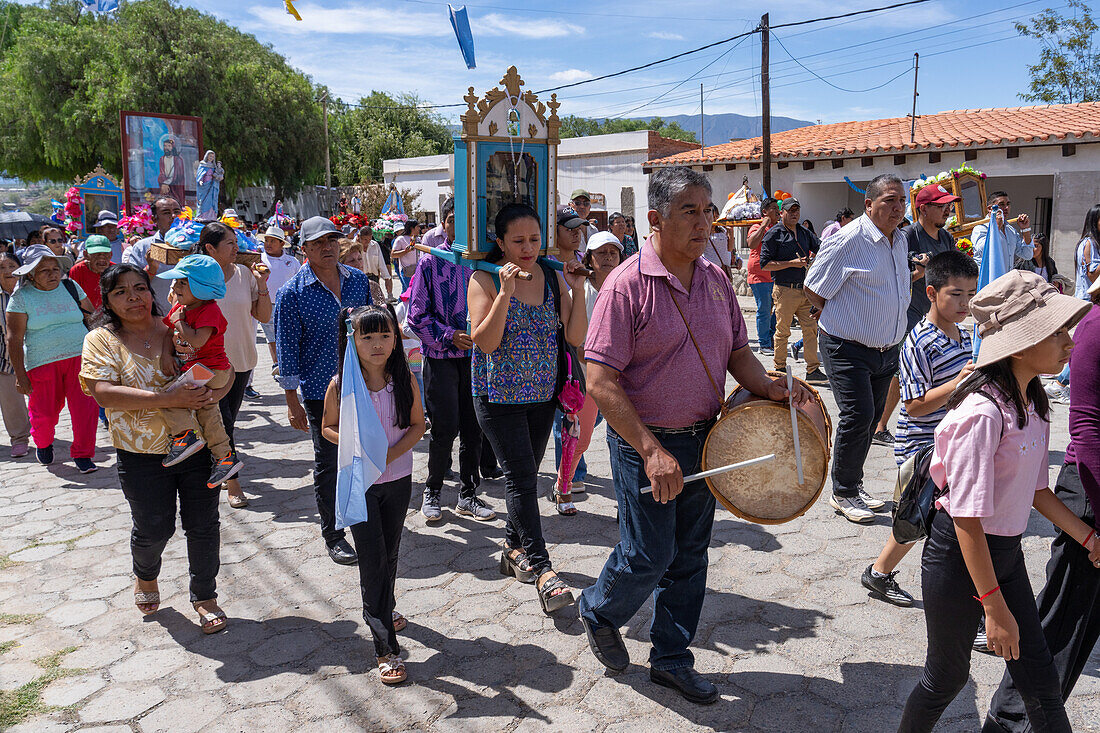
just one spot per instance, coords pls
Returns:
(860, 282)
(655, 348)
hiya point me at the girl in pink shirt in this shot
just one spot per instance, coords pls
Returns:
(990, 462)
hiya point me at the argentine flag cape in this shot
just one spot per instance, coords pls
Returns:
(993, 264)
(361, 455)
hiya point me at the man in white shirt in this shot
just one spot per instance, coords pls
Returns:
(1017, 243)
(165, 210)
(282, 266)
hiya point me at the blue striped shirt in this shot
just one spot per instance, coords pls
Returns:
(929, 358)
(864, 279)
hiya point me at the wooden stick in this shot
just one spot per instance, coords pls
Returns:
(716, 471)
(794, 427)
(456, 259)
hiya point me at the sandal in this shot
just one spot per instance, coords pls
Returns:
(211, 622)
(391, 670)
(399, 622)
(237, 501)
(564, 503)
(554, 594)
(147, 601)
(515, 563)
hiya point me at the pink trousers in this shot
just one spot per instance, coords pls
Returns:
(52, 385)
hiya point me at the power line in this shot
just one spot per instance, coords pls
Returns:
(848, 15)
(834, 86)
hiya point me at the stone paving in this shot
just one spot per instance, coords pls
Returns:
(788, 634)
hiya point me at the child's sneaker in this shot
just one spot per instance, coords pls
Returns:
(183, 446)
(224, 470)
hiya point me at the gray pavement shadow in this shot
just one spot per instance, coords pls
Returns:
(494, 666)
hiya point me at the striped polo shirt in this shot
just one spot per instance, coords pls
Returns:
(929, 358)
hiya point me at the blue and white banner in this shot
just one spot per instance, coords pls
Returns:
(361, 454)
(100, 6)
(460, 21)
(993, 263)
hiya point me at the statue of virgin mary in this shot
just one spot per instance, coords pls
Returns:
(208, 178)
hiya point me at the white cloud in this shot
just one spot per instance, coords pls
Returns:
(495, 24)
(570, 75)
(664, 36)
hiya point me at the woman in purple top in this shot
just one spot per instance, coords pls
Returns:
(1069, 604)
(514, 329)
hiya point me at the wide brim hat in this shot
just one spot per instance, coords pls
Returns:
(1018, 310)
(277, 232)
(35, 254)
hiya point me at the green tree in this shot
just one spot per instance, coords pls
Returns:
(66, 74)
(382, 127)
(1069, 67)
(572, 126)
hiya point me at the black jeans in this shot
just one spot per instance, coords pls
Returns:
(230, 404)
(377, 541)
(519, 434)
(952, 615)
(860, 379)
(1069, 609)
(448, 399)
(152, 491)
(324, 473)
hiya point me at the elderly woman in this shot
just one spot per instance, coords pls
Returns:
(121, 370)
(352, 254)
(374, 264)
(45, 332)
(246, 301)
(12, 403)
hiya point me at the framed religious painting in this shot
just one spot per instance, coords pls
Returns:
(161, 154)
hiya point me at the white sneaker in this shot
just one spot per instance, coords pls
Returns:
(852, 508)
(872, 503)
(1057, 392)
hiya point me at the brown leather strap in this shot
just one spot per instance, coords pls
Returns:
(699, 351)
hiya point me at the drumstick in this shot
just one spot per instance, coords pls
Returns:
(794, 427)
(715, 471)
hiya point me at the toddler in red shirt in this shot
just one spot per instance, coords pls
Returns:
(198, 335)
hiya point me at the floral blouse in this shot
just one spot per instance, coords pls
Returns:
(106, 358)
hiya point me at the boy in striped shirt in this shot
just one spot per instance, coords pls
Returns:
(935, 359)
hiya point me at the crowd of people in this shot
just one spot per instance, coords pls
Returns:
(504, 360)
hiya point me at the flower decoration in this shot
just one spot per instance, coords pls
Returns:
(74, 210)
(965, 246)
(140, 222)
(389, 223)
(945, 176)
(184, 234)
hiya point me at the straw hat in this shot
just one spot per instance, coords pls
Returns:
(1018, 310)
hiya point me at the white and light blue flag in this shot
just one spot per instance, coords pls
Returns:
(361, 454)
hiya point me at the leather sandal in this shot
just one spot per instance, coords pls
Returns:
(391, 670)
(564, 504)
(211, 622)
(399, 622)
(554, 594)
(514, 562)
(147, 601)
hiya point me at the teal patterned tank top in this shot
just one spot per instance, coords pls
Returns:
(524, 368)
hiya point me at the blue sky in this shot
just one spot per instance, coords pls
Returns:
(970, 55)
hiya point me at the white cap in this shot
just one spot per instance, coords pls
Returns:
(600, 239)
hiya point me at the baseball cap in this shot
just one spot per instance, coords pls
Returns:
(601, 238)
(105, 217)
(934, 194)
(316, 227)
(580, 192)
(567, 217)
(203, 274)
(97, 243)
(789, 203)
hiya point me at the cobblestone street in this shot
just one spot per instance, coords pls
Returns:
(788, 634)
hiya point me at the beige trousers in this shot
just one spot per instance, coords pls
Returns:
(209, 419)
(14, 408)
(790, 302)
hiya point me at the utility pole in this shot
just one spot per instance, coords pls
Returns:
(765, 106)
(702, 132)
(328, 168)
(913, 122)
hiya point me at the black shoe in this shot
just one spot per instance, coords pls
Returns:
(816, 377)
(494, 474)
(883, 437)
(342, 553)
(182, 447)
(687, 682)
(224, 470)
(251, 393)
(44, 455)
(607, 645)
(886, 587)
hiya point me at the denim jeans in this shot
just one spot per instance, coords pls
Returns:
(324, 473)
(860, 379)
(1069, 609)
(662, 551)
(1063, 376)
(765, 316)
(951, 615)
(447, 390)
(518, 434)
(582, 468)
(152, 492)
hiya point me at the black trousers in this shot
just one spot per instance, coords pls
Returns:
(377, 541)
(324, 473)
(952, 615)
(1069, 609)
(230, 404)
(519, 434)
(448, 399)
(152, 491)
(860, 379)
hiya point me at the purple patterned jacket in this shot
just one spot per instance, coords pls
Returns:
(437, 300)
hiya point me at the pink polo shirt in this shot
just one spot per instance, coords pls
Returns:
(991, 476)
(636, 330)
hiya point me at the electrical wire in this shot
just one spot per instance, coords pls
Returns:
(819, 77)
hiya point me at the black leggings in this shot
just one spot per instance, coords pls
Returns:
(952, 615)
(230, 404)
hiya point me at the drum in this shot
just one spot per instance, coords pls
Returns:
(752, 426)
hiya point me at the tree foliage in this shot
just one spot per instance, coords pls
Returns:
(66, 74)
(382, 127)
(572, 126)
(1069, 67)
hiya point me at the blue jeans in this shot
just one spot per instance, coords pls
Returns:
(582, 468)
(1063, 378)
(662, 551)
(765, 317)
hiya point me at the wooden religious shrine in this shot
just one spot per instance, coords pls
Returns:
(966, 183)
(100, 191)
(506, 153)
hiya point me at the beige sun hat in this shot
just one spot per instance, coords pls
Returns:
(1018, 310)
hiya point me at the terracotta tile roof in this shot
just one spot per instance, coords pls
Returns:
(955, 129)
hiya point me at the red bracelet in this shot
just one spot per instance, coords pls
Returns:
(987, 595)
(1087, 538)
